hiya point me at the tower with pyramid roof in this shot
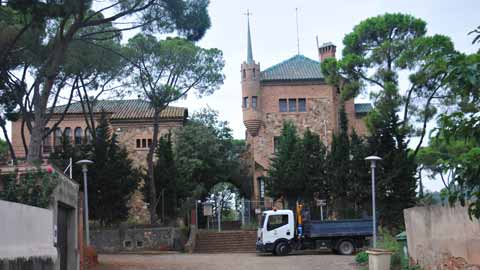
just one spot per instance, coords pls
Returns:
(292, 90)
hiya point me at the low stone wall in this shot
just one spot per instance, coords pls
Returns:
(137, 239)
(30, 264)
(439, 237)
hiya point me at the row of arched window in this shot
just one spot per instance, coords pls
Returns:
(78, 137)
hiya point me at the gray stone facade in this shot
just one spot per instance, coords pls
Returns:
(132, 239)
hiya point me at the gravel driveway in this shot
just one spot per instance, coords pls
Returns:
(240, 261)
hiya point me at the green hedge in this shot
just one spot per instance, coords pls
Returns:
(34, 187)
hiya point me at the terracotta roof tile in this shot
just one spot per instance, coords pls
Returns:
(127, 109)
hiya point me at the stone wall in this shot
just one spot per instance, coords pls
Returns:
(441, 236)
(320, 116)
(137, 239)
(128, 131)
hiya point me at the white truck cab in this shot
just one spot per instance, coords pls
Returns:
(275, 231)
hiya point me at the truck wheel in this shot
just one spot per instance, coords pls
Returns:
(282, 249)
(346, 247)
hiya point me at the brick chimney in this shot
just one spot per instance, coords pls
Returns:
(327, 50)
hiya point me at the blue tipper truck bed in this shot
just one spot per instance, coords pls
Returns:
(342, 236)
(338, 228)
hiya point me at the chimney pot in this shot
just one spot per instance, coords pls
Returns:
(327, 49)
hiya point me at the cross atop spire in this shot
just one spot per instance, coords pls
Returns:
(249, 40)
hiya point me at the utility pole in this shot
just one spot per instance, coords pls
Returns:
(298, 37)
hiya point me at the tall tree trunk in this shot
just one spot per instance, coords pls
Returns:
(150, 168)
(40, 99)
(35, 145)
(40, 105)
(10, 147)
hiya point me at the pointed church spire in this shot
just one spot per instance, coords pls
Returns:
(249, 41)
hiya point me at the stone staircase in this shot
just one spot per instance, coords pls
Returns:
(226, 242)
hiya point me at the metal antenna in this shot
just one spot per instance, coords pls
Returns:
(248, 14)
(298, 38)
(249, 40)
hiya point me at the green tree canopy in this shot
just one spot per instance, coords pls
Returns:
(204, 153)
(40, 38)
(377, 51)
(284, 176)
(454, 148)
(303, 170)
(165, 71)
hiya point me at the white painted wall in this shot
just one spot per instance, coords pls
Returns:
(26, 232)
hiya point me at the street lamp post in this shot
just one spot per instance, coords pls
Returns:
(85, 163)
(373, 160)
(196, 212)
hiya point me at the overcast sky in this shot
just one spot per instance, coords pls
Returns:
(274, 36)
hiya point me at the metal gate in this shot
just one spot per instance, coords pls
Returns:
(62, 235)
(246, 215)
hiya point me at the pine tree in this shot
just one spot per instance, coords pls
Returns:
(359, 178)
(166, 179)
(338, 169)
(395, 174)
(313, 166)
(114, 177)
(285, 178)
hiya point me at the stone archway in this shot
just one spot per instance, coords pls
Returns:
(224, 200)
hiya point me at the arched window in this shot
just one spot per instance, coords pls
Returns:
(67, 132)
(57, 139)
(88, 135)
(78, 135)
(47, 142)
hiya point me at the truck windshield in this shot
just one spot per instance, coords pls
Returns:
(264, 216)
(276, 221)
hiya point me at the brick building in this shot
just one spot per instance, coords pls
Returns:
(131, 120)
(294, 90)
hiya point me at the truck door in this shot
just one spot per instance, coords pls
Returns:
(279, 226)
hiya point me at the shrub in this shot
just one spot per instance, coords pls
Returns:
(389, 242)
(32, 188)
(362, 257)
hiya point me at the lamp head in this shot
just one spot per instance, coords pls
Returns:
(373, 158)
(84, 162)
